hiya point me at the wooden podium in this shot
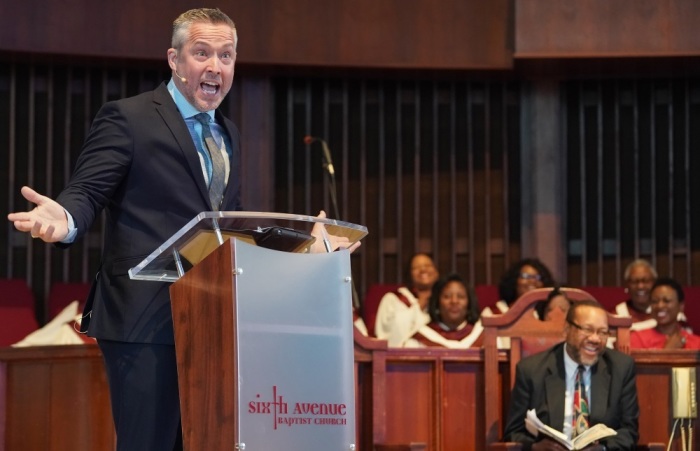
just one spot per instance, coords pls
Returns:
(264, 338)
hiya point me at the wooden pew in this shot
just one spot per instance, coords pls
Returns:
(54, 398)
(436, 396)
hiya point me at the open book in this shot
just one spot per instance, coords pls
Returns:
(535, 426)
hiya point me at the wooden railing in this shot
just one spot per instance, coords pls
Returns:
(56, 398)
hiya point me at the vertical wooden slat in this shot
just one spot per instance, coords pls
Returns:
(363, 157)
(12, 163)
(471, 240)
(48, 174)
(505, 179)
(399, 208)
(435, 174)
(636, 165)
(86, 127)
(66, 164)
(583, 185)
(487, 180)
(454, 189)
(324, 134)
(289, 115)
(618, 186)
(652, 178)
(686, 178)
(382, 188)
(308, 103)
(599, 186)
(671, 192)
(29, 270)
(417, 169)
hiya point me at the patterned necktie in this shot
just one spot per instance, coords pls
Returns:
(580, 404)
(218, 173)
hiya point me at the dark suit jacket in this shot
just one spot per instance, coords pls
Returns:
(540, 384)
(140, 165)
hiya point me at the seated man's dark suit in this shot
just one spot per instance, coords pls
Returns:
(540, 384)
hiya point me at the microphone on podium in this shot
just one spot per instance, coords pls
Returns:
(326, 153)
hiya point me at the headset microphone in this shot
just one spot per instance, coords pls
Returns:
(182, 79)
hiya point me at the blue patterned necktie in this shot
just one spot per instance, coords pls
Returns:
(580, 404)
(218, 173)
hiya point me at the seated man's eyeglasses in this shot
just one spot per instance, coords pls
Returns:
(528, 276)
(588, 331)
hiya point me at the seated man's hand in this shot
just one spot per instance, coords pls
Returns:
(547, 444)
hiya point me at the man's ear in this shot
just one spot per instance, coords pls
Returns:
(172, 59)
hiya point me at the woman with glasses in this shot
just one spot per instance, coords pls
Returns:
(521, 277)
(666, 302)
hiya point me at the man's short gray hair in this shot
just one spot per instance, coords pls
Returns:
(640, 262)
(182, 24)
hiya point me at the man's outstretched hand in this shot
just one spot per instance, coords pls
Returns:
(47, 221)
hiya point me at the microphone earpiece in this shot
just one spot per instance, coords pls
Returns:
(182, 79)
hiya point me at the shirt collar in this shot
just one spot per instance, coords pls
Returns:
(570, 365)
(186, 109)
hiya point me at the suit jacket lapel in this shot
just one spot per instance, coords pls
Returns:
(555, 387)
(165, 105)
(600, 390)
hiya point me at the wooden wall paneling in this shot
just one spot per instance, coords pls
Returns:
(600, 28)
(8, 94)
(251, 102)
(451, 34)
(51, 109)
(421, 165)
(630, 186)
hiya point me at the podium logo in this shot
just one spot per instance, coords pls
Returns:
(298, 413)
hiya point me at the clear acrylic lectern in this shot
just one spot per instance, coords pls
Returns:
(263, 336)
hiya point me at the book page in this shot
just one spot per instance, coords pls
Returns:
(592, 434)
(534, 425)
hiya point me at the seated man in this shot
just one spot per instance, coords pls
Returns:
(546, 381)
(640, 275)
